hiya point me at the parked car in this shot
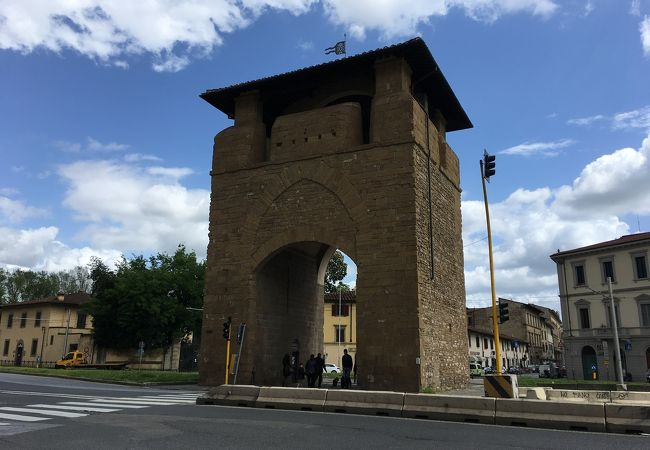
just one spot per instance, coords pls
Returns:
(487, 370)
(513, 370)
(332, 368)
(475, 370)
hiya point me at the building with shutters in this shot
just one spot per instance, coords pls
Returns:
(584, 296)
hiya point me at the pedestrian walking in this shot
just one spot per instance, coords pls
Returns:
(320, 366)
(286, 370)
(347, 364)
(310, 369)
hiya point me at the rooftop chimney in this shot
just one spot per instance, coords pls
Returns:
(60, 296)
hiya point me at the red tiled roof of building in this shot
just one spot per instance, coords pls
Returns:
(78, 298)
(346, 297)
(627, 239)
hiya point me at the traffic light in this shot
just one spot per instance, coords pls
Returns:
(488, 165)
(503, 312)
(226, 329)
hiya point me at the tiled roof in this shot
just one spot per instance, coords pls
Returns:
(78, 298)
(346, 297)
(281, 88)
(627, 239)
(489, 333)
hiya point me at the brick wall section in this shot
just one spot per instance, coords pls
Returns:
(370, 201)
(316, 132)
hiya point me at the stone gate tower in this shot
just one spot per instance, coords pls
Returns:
(352, 155)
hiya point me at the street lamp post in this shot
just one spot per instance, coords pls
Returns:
(619, 364)
(612, 308)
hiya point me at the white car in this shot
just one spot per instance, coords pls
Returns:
(332, 368)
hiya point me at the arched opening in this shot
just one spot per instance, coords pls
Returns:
(589, 362)
(290, 310)
(647, 358)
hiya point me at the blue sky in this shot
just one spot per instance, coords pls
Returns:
(106, 146)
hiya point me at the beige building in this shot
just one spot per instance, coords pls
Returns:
(44, 329)
(539, 327)
(339, 328)
(588, 333)
(514, 352)
(39, 332)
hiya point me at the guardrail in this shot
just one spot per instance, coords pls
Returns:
(617, 412)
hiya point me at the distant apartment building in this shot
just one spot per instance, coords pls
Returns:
(539, 327)
(44, 329)
(588, 333)
(339, 326)
(514, 352)
(41, 331)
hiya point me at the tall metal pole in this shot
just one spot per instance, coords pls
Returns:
(67, 331)
(619, 364)
(495, 321)
(338, 331)
(228, 352)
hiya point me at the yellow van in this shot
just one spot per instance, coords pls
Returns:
(475, 370)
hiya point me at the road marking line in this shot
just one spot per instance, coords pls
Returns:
(22, 418)
(108, 405)
(132, 402)
(45, 412)
(180, 401)
(74, 408)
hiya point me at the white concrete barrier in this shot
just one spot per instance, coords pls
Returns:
(533, 393)
(564, 395)
(627, 418)
(380, 403)
(443, 407)
(230, 395)
(550, 414)
(640, 398)
(302, 399)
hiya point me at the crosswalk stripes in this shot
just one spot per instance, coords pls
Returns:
(75, 409)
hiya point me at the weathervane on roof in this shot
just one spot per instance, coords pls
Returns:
(338, 48)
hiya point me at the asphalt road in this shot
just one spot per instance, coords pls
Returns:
(167, 418)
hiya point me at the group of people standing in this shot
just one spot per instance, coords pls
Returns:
(313, 371)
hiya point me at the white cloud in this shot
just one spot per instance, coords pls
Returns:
(639, 118)
(90, 146)
(584, 121)
(173, 32)
(589, 8)
(401, 18)
(635, 119)
(108, 30)
(530, 225)
(635, 8)
(136, 209)
(136, 157)
(305, 45)
(644, 29)
(39, 249)
(8, 191)
(538, 148)
(172, 172)
(16, 211)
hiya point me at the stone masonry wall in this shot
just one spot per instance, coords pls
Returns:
(371, 202)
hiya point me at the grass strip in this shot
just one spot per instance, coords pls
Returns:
(127, 376)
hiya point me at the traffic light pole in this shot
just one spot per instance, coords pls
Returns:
(495, 321)
(227, 359)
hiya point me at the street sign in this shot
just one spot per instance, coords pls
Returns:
(593, 367)
(628, 345)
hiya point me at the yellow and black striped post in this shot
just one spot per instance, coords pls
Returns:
(501, 386)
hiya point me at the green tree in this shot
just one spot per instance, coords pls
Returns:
(336, 270)
(3, 285)
(147, 299)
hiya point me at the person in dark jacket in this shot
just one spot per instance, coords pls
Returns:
(320, 366)
(310, 369)
(347, 364)
(286, 370)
